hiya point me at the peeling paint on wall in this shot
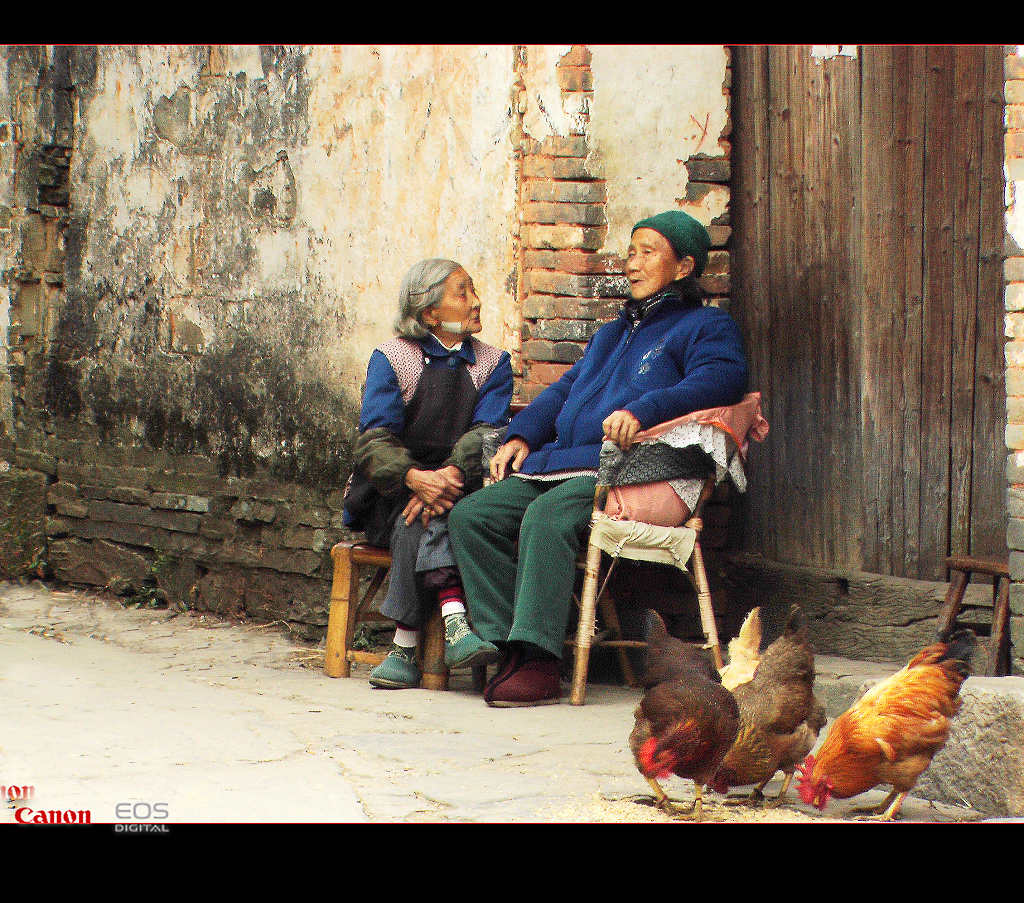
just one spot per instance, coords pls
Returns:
(642, 137)
(821, 52)
(229, 176)
(544, 114)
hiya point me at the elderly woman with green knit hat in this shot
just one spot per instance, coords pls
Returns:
(516, 541)
(431, 393)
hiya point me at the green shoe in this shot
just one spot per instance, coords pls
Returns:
(463, 648)
(398, 671)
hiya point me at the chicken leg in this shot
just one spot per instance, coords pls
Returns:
(754, 798)
(778, 801)
(662, 801)
(886, 810)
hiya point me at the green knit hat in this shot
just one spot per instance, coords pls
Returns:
(687, 236)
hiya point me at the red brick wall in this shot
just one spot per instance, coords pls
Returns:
(570, 286)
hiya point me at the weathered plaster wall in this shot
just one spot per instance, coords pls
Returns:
(6, 244)
(412, 158)
(282, 194)
(654, 109)
(207, 241)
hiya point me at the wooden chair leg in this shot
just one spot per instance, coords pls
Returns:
(586, 626)
(954, 599)
(611, 619)
(707, 613)
(998, 664)
(344, 594)
(435, 673)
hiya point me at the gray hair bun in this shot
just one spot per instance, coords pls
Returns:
(422, 288)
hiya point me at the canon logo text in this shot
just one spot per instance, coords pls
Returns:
(26, 816)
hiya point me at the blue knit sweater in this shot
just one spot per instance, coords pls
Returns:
(675, 360)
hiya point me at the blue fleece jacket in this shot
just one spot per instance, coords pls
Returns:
(677, 359)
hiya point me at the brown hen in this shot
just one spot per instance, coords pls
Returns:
(686, 720)
(779, 715)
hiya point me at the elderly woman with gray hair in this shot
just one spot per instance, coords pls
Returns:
(431, 393)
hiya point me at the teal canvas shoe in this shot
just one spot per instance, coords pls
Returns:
(463, 648)
(398, 671)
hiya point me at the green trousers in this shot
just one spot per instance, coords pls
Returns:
(521, 595)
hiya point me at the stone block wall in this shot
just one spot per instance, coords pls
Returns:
(171, 528)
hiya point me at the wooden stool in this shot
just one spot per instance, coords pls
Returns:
(997, 659)
(345, 614)
(349, 558)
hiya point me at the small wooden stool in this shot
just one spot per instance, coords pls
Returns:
(349, 558)
(997, 659)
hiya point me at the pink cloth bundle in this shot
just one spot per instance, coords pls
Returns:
(658, 503)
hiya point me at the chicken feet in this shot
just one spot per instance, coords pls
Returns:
(754, 798)
(887, 810)
(781, 798)
(661, 800)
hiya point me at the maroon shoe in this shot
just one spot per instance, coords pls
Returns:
(511, 658)
(535, 682)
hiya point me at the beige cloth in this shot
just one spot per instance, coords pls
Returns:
(646, 542)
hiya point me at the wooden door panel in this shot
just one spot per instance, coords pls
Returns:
(866, 253)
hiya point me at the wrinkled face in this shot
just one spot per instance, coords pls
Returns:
(651, 264)
(458, 311)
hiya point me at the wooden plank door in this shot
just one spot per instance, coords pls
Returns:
(867, 227)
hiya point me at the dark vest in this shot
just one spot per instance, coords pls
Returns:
(439, 412)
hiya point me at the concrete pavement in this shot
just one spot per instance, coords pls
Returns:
(103, 707)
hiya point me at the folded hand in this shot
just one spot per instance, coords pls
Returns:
(435, 492)
(620, 427)
(514, 451)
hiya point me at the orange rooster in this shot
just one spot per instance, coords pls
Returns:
(686, 720)
(891, 733)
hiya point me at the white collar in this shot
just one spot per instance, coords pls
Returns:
(454, 347)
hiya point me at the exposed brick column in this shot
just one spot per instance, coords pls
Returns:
(1013, 275)
(569, 285)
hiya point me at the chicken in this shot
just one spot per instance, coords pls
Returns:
(744, 652)
(779, 716)
(686, 720)
(891, 733)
